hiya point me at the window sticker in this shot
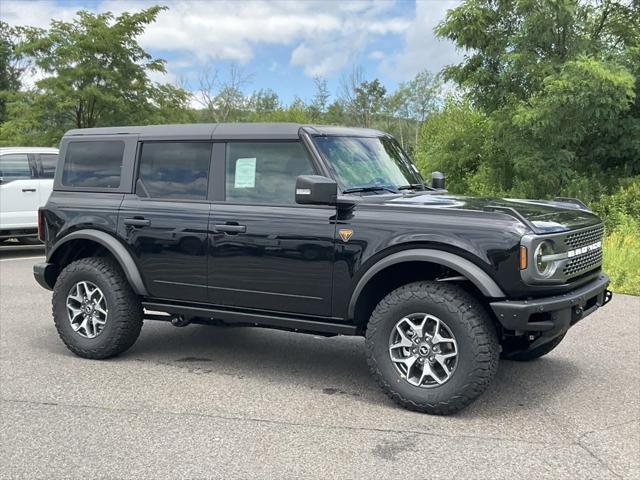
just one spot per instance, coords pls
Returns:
(245, 173)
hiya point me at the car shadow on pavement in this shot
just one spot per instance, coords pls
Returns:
(332, 365)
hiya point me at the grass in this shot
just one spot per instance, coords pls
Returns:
(622, 261)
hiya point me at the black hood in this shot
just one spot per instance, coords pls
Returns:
(540, 215)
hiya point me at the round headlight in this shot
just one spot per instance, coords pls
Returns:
(548, 268)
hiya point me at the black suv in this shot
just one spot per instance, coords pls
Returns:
(316, 229)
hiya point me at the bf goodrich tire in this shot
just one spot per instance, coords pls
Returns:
(432, 347)
(95, 311)
(533, 354)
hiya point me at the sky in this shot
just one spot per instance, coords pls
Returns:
(279, 45)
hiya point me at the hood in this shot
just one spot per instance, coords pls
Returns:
(540, 215)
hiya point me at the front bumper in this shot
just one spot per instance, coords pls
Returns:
(45, 274)
(552, 316)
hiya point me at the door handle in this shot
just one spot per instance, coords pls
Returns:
(137, 222)
(230, 229)
(28, 189)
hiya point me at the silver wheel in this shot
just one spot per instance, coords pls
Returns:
(87, 309)
(423, 350)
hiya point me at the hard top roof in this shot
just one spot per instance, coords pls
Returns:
(225, 131)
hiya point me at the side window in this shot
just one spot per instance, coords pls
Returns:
(93, 164)
(15, 166)
(265, 172)
(49, 163)
(174, 170)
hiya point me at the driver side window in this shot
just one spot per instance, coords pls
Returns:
(264, 172)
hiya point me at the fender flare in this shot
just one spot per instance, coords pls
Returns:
(116, 248)
(468, 269)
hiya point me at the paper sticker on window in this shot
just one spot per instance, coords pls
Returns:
(245, 173)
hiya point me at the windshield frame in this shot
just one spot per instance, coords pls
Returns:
(402, 157)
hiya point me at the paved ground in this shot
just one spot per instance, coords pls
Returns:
(203, 402)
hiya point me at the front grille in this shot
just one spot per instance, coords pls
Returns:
(583, 263)
(584, 237)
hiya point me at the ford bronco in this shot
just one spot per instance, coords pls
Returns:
(314, 229)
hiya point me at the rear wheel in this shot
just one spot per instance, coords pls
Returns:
(432, 347)
(95, 311)
(534, 353)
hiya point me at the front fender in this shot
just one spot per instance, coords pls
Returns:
(115, 247)
(469, 270)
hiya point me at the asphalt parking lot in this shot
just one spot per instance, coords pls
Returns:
(206, 402)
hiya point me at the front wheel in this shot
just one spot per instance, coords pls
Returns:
(432, 347)
(96, 312)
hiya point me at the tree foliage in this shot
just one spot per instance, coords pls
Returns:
(94, 73)
(549, 98)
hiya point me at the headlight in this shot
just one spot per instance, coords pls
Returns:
(544, 265)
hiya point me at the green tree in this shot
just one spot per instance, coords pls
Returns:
(96, 72)
(555, 83)
(12, 65)
(318, 104)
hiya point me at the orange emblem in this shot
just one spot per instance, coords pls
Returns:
(345, 234)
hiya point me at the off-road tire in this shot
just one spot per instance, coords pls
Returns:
(533, 354)
(124, 319)
(475, 333)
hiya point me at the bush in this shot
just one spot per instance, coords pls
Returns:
(621, 214)
(622, 261)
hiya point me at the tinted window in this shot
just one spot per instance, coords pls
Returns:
(49, 163)
(265, 172)
(93, 164)
(174, 170)
(15, 166)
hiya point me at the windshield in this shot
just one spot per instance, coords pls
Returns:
(361, 162)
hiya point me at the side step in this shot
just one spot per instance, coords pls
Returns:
(251, 318)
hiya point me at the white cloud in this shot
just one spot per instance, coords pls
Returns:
(421, 49)
(324, 36)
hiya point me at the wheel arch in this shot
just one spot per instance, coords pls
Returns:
(109, 244)
(480, 280)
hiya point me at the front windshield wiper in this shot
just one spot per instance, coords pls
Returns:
(415, 186)
(419, 187)
(371, 188)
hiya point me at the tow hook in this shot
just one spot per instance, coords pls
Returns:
(180, 321)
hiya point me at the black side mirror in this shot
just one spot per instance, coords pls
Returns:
(437, 180)
(316, 190)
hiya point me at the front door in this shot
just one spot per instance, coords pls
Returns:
(165, 222)
(267, 252)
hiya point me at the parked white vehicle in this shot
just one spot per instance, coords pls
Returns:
(26, 181)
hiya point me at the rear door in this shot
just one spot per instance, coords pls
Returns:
(19, 196)
(165, 221)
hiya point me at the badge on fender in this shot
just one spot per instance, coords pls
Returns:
(345, 234)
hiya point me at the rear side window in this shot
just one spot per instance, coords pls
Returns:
(49, 163)
(93, 164)
(174, 170)
(15, 166)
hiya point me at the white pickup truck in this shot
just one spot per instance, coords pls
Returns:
(26, 181)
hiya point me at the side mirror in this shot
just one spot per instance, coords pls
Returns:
(437, 180)
(316, 190)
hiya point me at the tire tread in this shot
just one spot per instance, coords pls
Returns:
(477, 321)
